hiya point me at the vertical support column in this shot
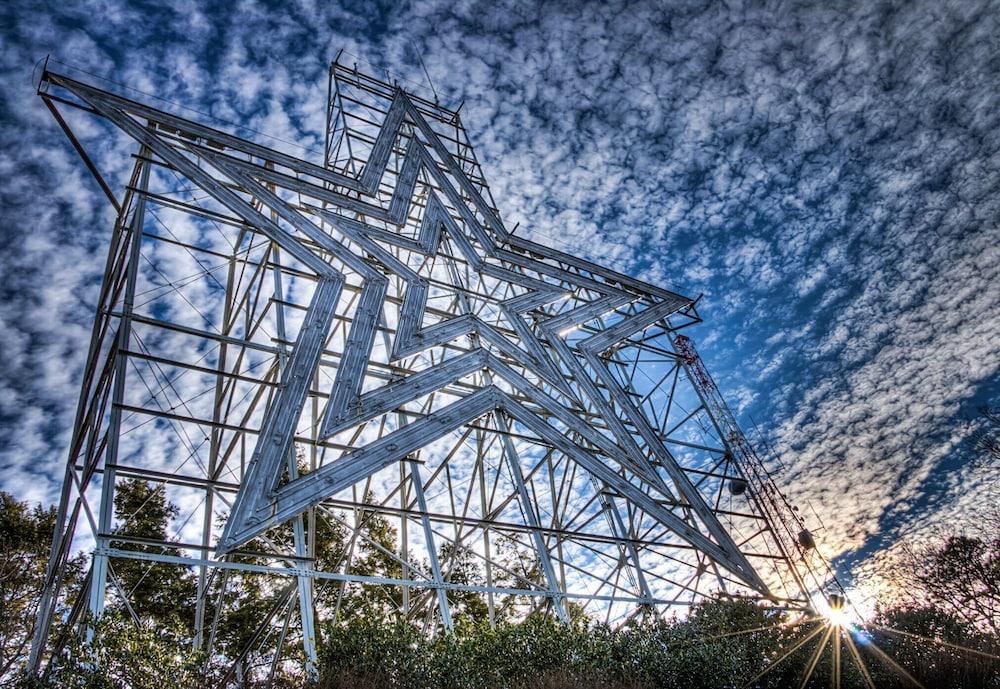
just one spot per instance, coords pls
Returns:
(328, 138)
(404, 541)
(442, 595)
(213, 453)
(404, 497)
(514, 462)
(93, 388)
(99, 577)
(305, 583)
(487, 546)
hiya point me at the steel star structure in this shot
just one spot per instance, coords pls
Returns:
(285, 337)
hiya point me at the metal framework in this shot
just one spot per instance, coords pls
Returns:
(285, 338)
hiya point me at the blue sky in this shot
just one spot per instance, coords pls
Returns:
(827, 175)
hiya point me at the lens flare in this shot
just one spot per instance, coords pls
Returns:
(836, 611)
(837, 617)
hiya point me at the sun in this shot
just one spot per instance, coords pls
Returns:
(835, 610)
(837, 617)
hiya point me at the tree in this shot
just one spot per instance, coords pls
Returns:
(986, 437)
(161, 592)
(935, 645)
(958, 573)
(374, 547)
(243, 607)
(460, 567)
(25, 539)
(123, 654)
(365, 651)
(963, 575)
(517, 567)
(249, 599)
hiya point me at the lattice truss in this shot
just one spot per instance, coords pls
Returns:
(287, 339)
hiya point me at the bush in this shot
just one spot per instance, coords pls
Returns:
(125, 655)
(722, 643)
(541, 653)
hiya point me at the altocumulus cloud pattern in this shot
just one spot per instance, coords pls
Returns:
(826, 175)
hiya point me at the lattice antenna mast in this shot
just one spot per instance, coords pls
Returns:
(292, 346)
(796, 542)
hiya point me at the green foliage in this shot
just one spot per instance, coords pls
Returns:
(721, 642)
(714, 646)
(367, 652)
(160, 592)
(540, 652)
(927, 621)
(459, 567)
(371, 652)
(374, 544)
(25, 540)
(126, 655)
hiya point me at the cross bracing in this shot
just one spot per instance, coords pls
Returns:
(286, 344)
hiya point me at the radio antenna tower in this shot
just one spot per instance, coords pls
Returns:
(289, 343)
